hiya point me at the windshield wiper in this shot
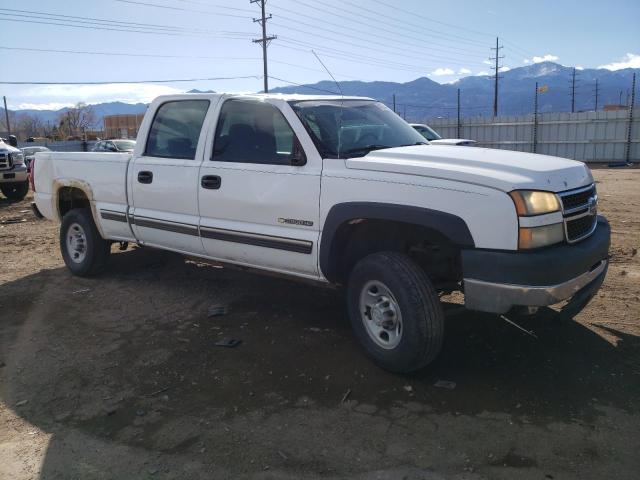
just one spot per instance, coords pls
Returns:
(366, 149)
(412, 144)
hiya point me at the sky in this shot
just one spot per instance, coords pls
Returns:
(211, 41)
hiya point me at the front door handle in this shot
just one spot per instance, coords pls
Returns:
(211, 182)
(145, 177)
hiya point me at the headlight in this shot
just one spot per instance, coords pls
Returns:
(16, 158)
(533, 202)
(542, 231)
(536, 237)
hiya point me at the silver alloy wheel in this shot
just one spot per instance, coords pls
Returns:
(380, 314)
(76, 243)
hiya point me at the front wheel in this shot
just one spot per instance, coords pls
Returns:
(15, 191)
(395, 312)
(84, 251)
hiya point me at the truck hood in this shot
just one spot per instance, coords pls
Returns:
(501, 169)
(6, 148)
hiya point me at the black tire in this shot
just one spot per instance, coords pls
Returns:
(15, 191)
(95, 250)
(422, 317)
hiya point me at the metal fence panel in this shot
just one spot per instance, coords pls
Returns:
(586, 136)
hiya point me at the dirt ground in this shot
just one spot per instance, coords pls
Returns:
(118, 376)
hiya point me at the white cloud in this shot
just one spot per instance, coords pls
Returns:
(464, 71)
(505, 69)
(439, 72)
(545, 58)
(526, 61)
(480, 74)
(487, 62)
(579, 67)
(630, 60)
(58, 96)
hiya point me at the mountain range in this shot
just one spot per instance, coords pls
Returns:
(424, 98)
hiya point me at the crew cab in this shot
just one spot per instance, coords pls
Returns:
(342, 191)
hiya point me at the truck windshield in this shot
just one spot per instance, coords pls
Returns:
(353, 128)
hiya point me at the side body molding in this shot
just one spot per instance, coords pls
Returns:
(450, 226)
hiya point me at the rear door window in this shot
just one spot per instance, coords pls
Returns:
(176, 129)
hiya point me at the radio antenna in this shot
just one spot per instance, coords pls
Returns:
(341, 100)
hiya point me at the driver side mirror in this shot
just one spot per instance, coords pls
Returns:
(298, 157)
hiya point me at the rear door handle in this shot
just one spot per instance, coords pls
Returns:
(211, 182)
(145, 177)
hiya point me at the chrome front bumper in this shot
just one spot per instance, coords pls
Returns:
(495, 280)
(500, 298)
(15, 175)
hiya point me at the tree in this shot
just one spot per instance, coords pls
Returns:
(29, 125)
(77, 119)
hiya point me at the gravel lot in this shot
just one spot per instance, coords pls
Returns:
(119, 377)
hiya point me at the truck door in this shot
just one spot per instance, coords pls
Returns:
(259, 191)
(164, 178)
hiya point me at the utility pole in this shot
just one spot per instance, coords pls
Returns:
(265, 40)
(6, 115)
(459, 136)
(496, 76)
(627, 150)
(596, 93)
(535, 121)
(573, 90)
(394, 103)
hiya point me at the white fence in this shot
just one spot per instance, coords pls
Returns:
(586, 136)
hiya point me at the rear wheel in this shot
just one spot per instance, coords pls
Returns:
(15, 191)
(84, 251)
(395, 312)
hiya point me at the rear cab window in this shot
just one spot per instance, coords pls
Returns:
(176, 128)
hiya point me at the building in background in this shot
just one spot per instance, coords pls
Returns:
(122, 126)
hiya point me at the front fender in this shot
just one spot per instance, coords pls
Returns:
(450, 226)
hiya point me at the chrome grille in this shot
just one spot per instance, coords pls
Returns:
(5, 163)
(580, 212)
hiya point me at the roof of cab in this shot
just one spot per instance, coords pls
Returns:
(278, 96)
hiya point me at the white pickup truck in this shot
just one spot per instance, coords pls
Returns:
(342, 191)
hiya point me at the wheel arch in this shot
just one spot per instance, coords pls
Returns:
(72, 193)
(336, 230)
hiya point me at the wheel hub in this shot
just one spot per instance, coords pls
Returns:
(380, 314)
(76, 243)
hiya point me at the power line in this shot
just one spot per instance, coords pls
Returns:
(118, 82)
(415, 14)
(265, 40)
(100, 26)
(496, 76)
(375, 26)
(167, 7)
(124, 54)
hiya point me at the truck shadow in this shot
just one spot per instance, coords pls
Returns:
(131, 358)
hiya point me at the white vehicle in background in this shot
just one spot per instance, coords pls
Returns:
(14, 181)
(30, 153)
(342, 191)
(115, 146)
(430, 134)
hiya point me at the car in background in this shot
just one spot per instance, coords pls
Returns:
(430, 134)
(30, 153)
(14, 181)
(118, 146)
